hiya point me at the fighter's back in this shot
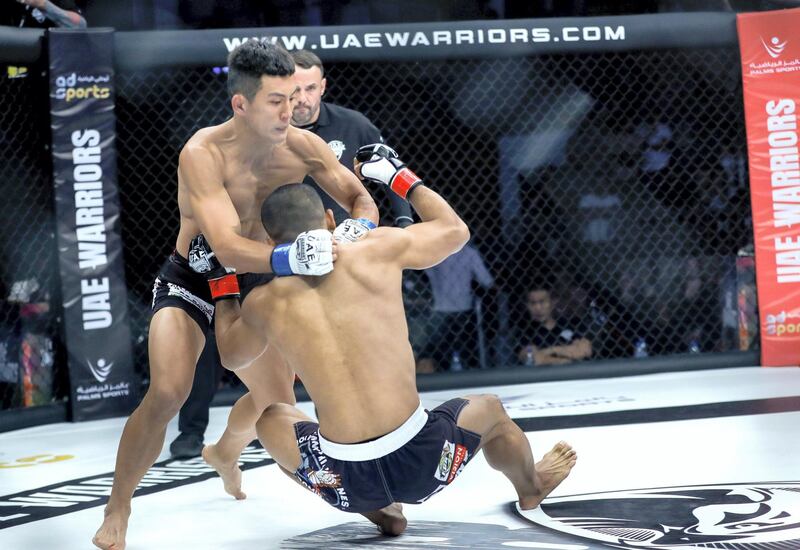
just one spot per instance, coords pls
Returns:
(346, 336)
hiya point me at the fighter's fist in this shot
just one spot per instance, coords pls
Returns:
(221, 280)
(380, 163)
(352, 230)
(367, 152)
(310, 254)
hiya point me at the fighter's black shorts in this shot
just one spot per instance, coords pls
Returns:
(178, 286)
(409, 465)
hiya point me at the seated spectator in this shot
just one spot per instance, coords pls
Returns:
(546, 340)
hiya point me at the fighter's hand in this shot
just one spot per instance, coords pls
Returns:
(352, 230)
(379, 163)
(221, 280)
(33, 3)
(312, 253)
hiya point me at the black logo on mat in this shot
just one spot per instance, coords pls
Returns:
(736, 516)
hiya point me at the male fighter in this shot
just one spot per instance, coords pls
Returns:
(346, 336)
(344, 130)
(224, 174)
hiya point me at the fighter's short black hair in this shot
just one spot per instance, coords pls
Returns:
(248, 62)
(290, 210)
(307, 59)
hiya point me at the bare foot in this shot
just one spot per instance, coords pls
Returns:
(230, 473)
(550, 472)
(390, 520)
(111, 535)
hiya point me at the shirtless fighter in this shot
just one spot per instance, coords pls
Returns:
(346, 335)
(224, 174)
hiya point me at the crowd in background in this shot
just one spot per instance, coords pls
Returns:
(643, 304)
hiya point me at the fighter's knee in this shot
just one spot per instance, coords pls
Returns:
(490, 404)
(487, 400)
(275, 411)
(168, 399)
(394, 527)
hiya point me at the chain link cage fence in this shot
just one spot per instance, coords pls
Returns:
(606, 193)
(33, 369)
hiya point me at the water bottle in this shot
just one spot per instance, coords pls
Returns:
(599, 317)
(640, 347)
(529, 360)
(694, 346)
(455, 362)
(595, 321)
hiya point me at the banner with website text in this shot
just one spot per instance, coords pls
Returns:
(770, 50)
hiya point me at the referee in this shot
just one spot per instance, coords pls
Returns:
(344, 130)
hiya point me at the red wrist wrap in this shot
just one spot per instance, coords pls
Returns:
(404, 181)
(224, 287)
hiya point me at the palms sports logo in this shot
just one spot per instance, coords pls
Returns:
(775, 47)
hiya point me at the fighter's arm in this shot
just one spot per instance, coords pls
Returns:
(201, 174)
(441, 231)
(241, 336)
(336, 180)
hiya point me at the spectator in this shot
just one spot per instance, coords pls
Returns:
(695, 318)
(9, 352)
(609, 327)
(547, 340)
(44, 14)
(417, 299)
(454, 338)
(40, 14)
(35, 342)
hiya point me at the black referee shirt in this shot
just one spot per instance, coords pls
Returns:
(345, 130)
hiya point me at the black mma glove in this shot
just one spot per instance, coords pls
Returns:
(221, 280)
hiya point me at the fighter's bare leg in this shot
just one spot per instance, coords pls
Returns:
(222, 456)
(174, 347)
(507, 449)
(276, 432)
(270, 380)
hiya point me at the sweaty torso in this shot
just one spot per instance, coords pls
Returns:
(346, 336)
(247, 179)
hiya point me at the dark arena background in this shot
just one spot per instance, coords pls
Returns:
(612, 172)
(598, 154)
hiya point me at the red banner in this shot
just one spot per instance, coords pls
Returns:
(770, 48)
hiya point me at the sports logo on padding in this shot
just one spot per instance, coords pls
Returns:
(775, 47)
(100, 369)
